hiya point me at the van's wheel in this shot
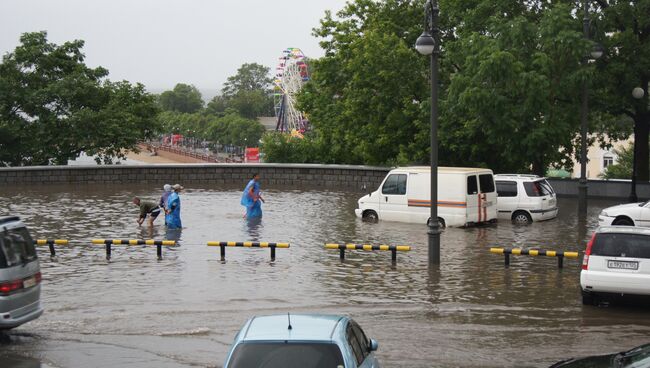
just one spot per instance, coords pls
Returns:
(521, 217)
(623, 221)
(588, 298)
(370, 216)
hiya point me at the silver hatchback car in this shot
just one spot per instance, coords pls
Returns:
(20, 275)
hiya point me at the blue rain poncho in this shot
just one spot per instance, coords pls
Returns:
(173, 219)
(252, 200)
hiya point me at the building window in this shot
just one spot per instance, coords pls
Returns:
(607, 160)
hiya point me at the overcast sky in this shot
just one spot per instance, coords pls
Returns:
(163, 42)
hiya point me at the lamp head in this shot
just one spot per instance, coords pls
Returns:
(597, 51)
(638, 92)
(425, 43)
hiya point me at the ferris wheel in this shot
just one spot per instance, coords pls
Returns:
(290, 75)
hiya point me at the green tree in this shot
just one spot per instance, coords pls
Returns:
(53, 107)
(248, 92)
(183, 98)
(367, 95)
(623, 28)
(513, 98)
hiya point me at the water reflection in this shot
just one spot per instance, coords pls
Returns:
(185, 309)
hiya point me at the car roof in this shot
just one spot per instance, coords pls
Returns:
(304, 327)
(441, 169)
(624, 230)
(524, 177)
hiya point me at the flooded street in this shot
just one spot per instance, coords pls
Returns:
(184, 310)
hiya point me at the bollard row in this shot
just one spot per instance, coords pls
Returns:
(534, 253)
(108, 244)
(223, 246)
(368, 247)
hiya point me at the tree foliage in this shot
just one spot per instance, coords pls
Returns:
(229, 129)
(53, 107)
(247, 92)
(183, 98)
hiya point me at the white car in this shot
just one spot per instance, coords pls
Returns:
(629, 214)
(525, 198)
(616, 262)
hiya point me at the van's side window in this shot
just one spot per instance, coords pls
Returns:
(472, 185)
(487, 183)
(507, 188)
(395, 184)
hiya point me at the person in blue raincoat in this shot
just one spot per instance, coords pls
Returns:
(173, 208)
(252, 198)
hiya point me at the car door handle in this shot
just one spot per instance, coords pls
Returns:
(386, 198)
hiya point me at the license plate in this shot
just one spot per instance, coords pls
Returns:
(624, 265)
(27, 283)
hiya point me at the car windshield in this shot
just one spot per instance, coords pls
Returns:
(16, 247)
(286, 355)
(538, 188)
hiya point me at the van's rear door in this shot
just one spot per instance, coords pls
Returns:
(393, 203)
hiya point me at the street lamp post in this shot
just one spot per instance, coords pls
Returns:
(429, 44)
(596, 53)
(638, 94)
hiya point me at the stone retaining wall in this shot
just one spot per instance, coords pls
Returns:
(285, 175)
(279, 175)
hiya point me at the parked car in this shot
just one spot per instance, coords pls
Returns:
(302, 341)
(20, 275)
(629, 214)
(465, 196)
(616, 262)
(525, 198)
(634, 358)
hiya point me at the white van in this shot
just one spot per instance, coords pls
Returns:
(525, 198)
(465, 196)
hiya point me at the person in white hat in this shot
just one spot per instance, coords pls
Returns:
(167, 190)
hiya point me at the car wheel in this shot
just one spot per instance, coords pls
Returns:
(623, 221)
(521, 217)
(370, 216)
(588, 298)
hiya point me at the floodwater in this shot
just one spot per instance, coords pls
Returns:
(184, 310)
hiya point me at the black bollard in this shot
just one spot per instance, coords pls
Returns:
(108, 251)
(52, 251)
(272, 252)
(507, 259)
(560, 261)
(393, 255)
(223, 252)
(159, 251)
(342, 253)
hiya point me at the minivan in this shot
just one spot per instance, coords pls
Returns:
(466, 196)
(616, 262)
(20, 275)
(525, 198)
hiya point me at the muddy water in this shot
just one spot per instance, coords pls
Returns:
(184, 310)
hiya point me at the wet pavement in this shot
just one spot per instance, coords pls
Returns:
(184, 310)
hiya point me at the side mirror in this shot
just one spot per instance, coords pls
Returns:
(374, 345)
